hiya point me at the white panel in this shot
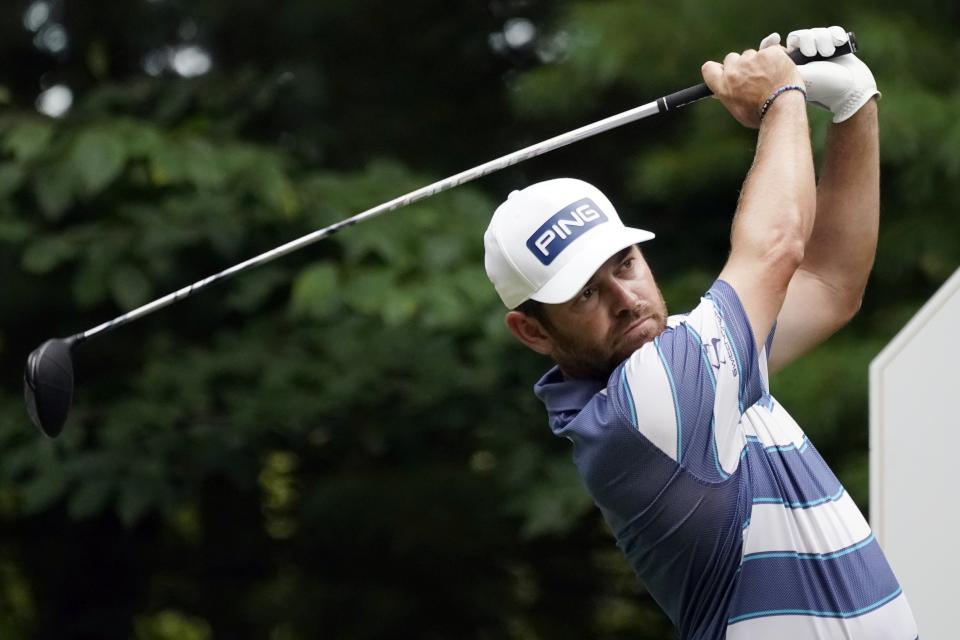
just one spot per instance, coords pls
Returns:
(914, 445)
(824, 528)
(891, 622)
(780, 431)
(653, 399)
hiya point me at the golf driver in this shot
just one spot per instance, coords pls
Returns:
(48, 377)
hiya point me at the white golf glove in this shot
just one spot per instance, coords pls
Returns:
(841, 85)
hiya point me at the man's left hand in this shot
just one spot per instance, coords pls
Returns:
(841, 85)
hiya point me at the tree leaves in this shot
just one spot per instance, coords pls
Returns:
(315, 292)
(54, 187)
(90, 498)
(379, 355)
(46, 254)
(41, 492)
(130, 288)
(552, 502)
(26, 138)
(97, 156)
(11, 176)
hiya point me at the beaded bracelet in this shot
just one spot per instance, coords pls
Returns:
(776, 94)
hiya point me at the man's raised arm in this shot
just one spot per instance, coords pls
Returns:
(775, 214)
(827, 288)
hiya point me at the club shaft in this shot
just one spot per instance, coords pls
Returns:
(463, 177)
(666, 103)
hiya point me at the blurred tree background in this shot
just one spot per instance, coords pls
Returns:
(344, 443)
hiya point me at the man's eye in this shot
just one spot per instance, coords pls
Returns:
(587, 293)
(628, 263)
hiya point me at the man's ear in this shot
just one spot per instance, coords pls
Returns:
(529, 331)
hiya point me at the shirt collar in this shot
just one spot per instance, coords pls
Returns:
(560, 394)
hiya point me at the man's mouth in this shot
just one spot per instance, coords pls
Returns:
(636, 325)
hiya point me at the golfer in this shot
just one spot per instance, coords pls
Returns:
(720, 503)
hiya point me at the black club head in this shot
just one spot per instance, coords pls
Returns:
(48, 385)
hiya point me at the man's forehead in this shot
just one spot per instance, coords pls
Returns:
(611, 262)
(616, 258)
(623, 253)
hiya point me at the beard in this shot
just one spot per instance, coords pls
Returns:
(578, 358)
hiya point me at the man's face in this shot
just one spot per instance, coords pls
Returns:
(614, 314)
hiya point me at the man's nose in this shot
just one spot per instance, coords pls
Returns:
(625, 300)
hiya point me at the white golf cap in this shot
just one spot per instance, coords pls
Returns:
(546, 241)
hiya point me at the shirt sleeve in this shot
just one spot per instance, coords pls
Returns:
(686, 390)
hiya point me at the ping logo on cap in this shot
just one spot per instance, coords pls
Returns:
(563, 228)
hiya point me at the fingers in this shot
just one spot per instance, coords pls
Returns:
(744, 80)
(821, 40)
(839, 35)
(804, 41)
(712, 72)
(824, 41)
(771, 40)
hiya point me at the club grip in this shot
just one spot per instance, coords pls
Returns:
(700, 91)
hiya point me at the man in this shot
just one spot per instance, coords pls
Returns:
(720, 503)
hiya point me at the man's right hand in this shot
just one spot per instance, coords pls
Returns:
(744, 81)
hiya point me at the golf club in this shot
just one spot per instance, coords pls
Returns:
(48, 376)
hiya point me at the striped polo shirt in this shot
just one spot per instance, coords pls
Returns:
(721, 504)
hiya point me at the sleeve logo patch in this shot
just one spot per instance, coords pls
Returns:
(727, 347)
(713, 353)
(565, 226)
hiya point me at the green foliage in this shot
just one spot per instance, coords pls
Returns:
(344, 442)
(549, 495)
(171, 625)
(98, 157)
(17, 607)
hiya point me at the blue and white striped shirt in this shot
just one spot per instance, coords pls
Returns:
(721, 504)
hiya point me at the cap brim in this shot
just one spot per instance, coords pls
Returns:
(568, 282)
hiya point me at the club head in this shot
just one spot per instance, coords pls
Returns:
(48, 385)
